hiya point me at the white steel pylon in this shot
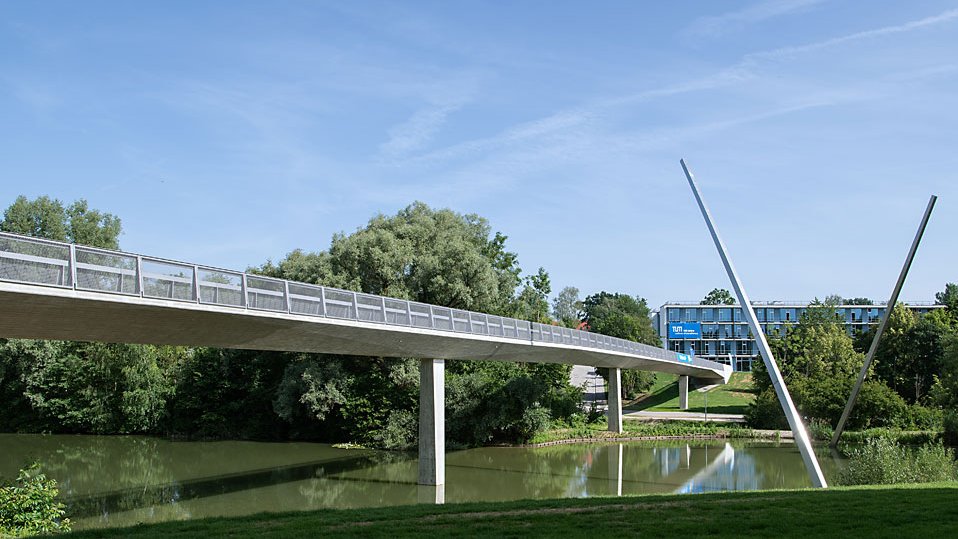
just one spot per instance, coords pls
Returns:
(884, 321)
(791, 414)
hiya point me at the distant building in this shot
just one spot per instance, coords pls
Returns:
(720, 332)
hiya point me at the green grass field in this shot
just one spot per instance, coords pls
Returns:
(731, 398)
(890, 511)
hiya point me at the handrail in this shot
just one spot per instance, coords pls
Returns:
(30, 260)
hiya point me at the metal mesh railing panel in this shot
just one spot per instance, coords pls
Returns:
(396, 312)
(478, 323)
(370, 308)
(460, 320)
(265, 294)
(306, 299)
(167, 280)
(28, 261)
(106, 271)
(221, 287)
(339, 303)
(442, 318)
(421, 315)
(495, 325)
(522, 330)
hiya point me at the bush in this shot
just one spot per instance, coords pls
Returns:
(951, 427)
(920, 417)
(882, 461)
(29, 506)
(765, 412)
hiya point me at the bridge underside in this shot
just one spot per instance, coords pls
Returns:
(48, 313)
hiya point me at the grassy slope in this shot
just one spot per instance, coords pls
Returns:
(896, 511)
(731, 398)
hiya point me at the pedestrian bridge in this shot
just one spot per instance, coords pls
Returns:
(55, 290)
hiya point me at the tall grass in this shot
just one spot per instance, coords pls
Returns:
(884, 461)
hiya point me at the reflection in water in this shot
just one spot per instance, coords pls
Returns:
(122, 480)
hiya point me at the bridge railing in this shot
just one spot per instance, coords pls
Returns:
(57, 264)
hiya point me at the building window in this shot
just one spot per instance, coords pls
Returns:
(738, 315)
(725, 314)
(760, 314)
(771, 315)
(706, 315)
(675, 315)
(690, 315)
(723, 348)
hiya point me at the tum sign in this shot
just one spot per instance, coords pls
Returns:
(686, 330)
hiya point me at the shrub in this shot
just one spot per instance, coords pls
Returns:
(820, 429)
(951, 427)
(29, 505)
(882, 461)
(765, 412)
(920, 417)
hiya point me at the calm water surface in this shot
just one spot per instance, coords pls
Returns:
(123, 480)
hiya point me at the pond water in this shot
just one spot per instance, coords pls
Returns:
(124, 480)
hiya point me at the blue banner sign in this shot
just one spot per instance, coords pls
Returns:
(684, 358)
(685, 330)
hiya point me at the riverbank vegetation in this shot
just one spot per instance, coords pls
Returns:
(29, 505)
(888, 511)
(883, 461)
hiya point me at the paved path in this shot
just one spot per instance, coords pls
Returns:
(683, 416)
(583, 375)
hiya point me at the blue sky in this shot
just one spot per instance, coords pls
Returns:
(228, 133)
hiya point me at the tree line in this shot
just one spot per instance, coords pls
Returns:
(423, 254)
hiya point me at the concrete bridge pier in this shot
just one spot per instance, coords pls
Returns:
(614, 411)
(683, 392)
(432, 423)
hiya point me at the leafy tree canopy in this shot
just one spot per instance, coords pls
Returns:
(48, 218)
(718, 296)
(567, 307)
(422, 254)
(620, 315)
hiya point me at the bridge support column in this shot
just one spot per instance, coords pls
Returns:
(614, 412)
(432, 422)
(683, 392)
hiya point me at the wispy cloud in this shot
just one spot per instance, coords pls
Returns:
(926, 22)
(717, 25)
(416, 132)
(584, 118)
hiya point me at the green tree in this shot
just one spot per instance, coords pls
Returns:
(818, 362)
(567, 307)
(532, 302)
(718, 296)
(433, 256)
(949, 298)
(438, 257)
(894, 348)
(625, 317)
(48, 218)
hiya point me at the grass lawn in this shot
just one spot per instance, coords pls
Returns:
(731, 398)
(889, 511)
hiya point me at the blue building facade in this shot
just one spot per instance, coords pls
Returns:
(720, 332)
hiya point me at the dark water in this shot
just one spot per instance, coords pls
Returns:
(123, 480)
